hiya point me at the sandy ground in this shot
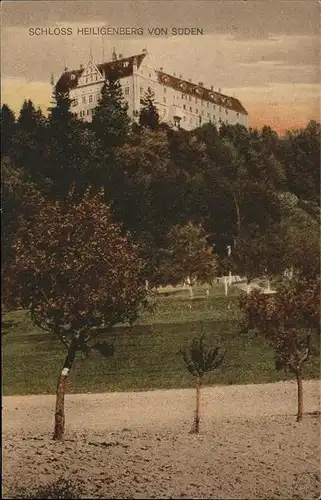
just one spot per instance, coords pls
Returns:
(138, 445)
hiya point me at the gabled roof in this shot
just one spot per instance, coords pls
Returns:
(200, 92)
(120, 68)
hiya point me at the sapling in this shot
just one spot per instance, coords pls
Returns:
(199, 360)
(287, 320)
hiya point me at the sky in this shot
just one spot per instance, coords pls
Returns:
(266, 53)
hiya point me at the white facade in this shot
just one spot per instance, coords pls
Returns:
(178, 101)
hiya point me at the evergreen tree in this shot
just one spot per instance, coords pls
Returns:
(110, 119)
(28, 117)
(59, 112)
(8, 125)
(30, 141)
(149, 116)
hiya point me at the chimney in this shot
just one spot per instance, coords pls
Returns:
(120, 56)
(190, 80)
(212, 88)
(66, 69)
(161, 69)
(174, 74)
(219, 90)
(201, 84)
(114, 55)
(181, 76)
(144, 51)
(81, 66)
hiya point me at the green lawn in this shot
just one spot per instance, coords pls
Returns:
(146, 357)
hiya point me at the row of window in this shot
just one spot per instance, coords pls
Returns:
(91, 98)
(86, 112)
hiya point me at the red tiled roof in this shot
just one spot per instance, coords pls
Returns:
(200, 92)
(119, 68)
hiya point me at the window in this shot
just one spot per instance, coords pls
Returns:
(141, 90)
(189, 97)
(208, 116)
(84, 99)
(184, 106)
(74, 102)
(150, 75)
(164, 100)
(190, 109)
(184, 118)
(226, 111)
(96, 77)
(203, 103)
(196, 111)
(86, 79)
(182, 96)
(195, 100)
(191, 120)
(207, 104)
(165, 90)
(126, 90)
(202, 113)
(237, 114)
(90, 98)
(88, 112)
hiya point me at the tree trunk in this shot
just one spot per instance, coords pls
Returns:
(300, 395)
(197, 409)
(60, 395)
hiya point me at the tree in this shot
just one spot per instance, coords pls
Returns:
(20, 201)
(199, 360)
(149, 116)
(110, 118)
(77, 276)
(300, 153)
(187, 254)
(259, 254)
(8, 127)
(287, 320)
(28, 117)
(301, 229)
(59, 113)
(30, 143)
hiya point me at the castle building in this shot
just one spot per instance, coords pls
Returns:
(179, 102)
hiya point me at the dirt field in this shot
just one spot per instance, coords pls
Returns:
(137, 445)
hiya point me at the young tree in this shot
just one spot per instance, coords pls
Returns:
(287, 320)
(188, 254)
(110, 118)
(149, 116)
(77, 276)
(199, 360)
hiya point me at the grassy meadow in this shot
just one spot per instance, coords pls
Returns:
(146, 356)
